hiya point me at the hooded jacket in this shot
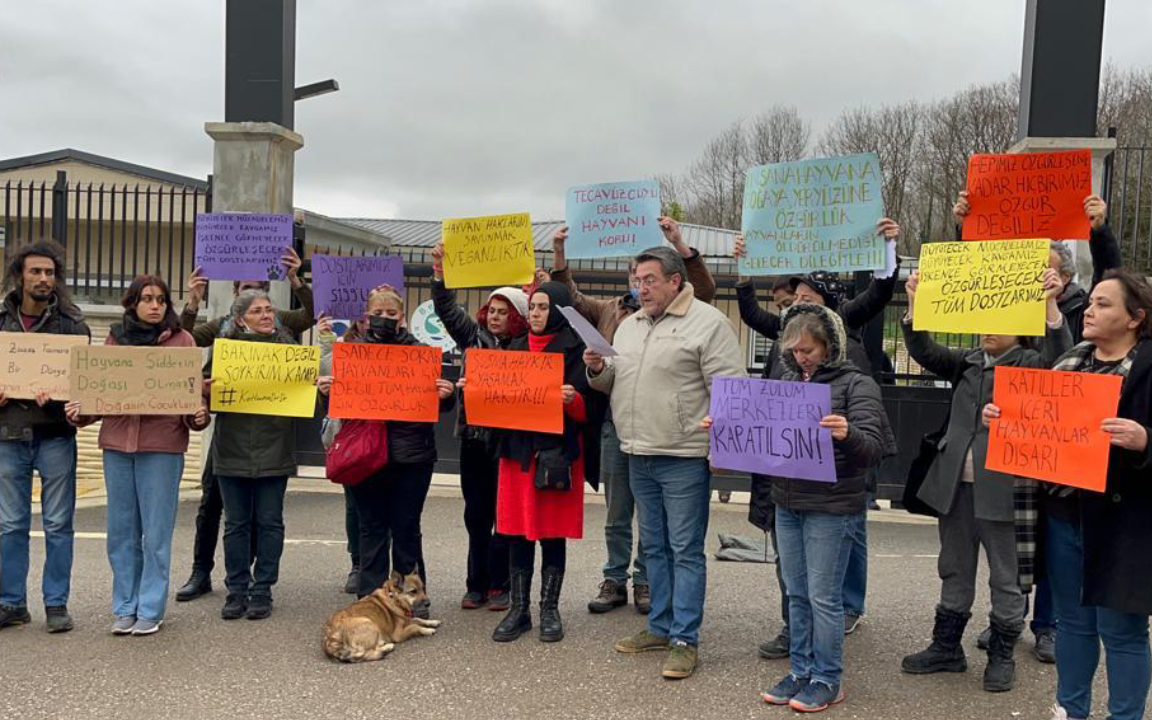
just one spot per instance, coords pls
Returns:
(24, 419)
(855, 396)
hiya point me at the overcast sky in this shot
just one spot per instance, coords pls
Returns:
(457, 108)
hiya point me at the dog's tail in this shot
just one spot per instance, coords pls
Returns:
(336, 648)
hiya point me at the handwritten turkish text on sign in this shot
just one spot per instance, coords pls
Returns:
(385, 382)
(114, 380)
(242, 246)
(341, 284)
(488, 251)
(986, 287)
(612, 219)
(1028, 195)
(772, 427)
(36, 361)
(1049, 425)
(812, 215)
(514, 389)
(264, 378)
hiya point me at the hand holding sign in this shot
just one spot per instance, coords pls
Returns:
(613, 219)
(1028, 195)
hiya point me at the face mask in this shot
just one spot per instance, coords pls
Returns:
(382, 328)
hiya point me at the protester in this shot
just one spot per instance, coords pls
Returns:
(532, 504)
(253, 457)
(143, 464)
(35, 436)
(606, 315)
(389, 503)
(1073, 299)
(815, 520)
(819, 288)
(979, 507)
(1098, 545)
(660, 385)
(503, 318)
(211, 504)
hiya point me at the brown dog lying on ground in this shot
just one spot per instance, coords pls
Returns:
(369, 628)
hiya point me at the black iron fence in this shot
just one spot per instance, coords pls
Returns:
(1128, 192)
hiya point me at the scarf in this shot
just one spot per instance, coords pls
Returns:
(134, 331)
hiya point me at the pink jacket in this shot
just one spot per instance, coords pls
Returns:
(148, 433)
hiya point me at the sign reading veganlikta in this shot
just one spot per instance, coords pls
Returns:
(612, 219)
(341, 285)
(242, 246)
(488, 251)
(817, 214)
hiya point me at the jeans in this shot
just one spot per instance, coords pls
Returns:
(253, 506)
(55, 460)
(1043, 608)
(856, 575)
(814, 550)
(390, 504)
(621, 507)
(780, 579)
(672, 495)
(487, 550)
(1081, 630)
(143, 495)
(351, 527)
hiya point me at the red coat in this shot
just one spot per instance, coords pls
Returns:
(534, 514)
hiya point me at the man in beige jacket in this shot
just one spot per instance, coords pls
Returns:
(660, 386)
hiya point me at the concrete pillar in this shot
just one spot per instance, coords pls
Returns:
(1101, 148)
(252, 171)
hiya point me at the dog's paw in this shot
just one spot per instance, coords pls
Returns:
(432, 623)
(388, 647)
(427, 631)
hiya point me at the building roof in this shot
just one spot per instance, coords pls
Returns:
(711, 242)
(106, 162)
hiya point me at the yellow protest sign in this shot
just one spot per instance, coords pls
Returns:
(264, 378)
(30, 362)
(488, 251)
(987, 286)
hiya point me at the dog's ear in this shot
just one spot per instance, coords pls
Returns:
(412, 581)
(396, 579)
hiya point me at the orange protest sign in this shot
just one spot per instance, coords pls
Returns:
(1049, 425)
(1028, 195)
(385, 382)
(514, 389)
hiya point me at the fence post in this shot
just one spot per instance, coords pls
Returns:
(60, 207)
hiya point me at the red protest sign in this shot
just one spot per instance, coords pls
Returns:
(1028, 195)
(514, 389)
(385, 382)
(1049, 425)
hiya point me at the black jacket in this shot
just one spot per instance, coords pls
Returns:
(1105, 256)
(855, 396)
(24, 419)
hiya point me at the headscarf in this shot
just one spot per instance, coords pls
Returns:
(558, 297)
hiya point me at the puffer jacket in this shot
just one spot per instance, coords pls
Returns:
(856, 397)
(24, 419)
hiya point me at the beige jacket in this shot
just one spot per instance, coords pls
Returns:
(660, 383)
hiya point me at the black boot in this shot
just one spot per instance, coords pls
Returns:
(519, 618)
(551, 629)
(1000, 675)
(945, 653)
(199, 583)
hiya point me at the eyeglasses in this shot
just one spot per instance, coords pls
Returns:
(650, 281)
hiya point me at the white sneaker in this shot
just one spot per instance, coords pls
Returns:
(146, 627)
(1059, 713)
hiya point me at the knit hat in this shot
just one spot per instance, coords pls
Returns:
(514, 296)
(826, 284)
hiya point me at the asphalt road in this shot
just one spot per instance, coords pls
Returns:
(201, 667)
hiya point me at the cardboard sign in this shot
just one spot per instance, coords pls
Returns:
(36, 361)
(514, 389)
(341, 285)
(1049, 425)
(772, 427)
(488, 251)
(1028, 195)
(385, 382)
(115, 380)
(242, 246)
(994, 287)
(812, 215)
(612, 219)
(264, 378)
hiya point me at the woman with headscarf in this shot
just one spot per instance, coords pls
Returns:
(549, 516)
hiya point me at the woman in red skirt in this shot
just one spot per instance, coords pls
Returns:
(540, 492)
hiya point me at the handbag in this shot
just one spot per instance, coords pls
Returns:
(359, 451)
(553, 471)
(922, 463)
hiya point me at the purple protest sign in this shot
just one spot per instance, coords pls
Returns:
(341, 284)
(772, 427)
(242, 246)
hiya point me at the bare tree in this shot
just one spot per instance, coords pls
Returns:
(778, 135)
(716, 180)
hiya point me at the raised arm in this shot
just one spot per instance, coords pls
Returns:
(461, 327)
(940, 361)
(860, 310)
(703, 284)
(591, 308)
(754, 316)
(1101, 242)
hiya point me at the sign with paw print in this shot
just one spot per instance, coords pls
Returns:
(242, 246)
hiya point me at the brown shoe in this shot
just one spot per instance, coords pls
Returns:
(642, 598)
(612, 595)
(642, 641)
(681, 661)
